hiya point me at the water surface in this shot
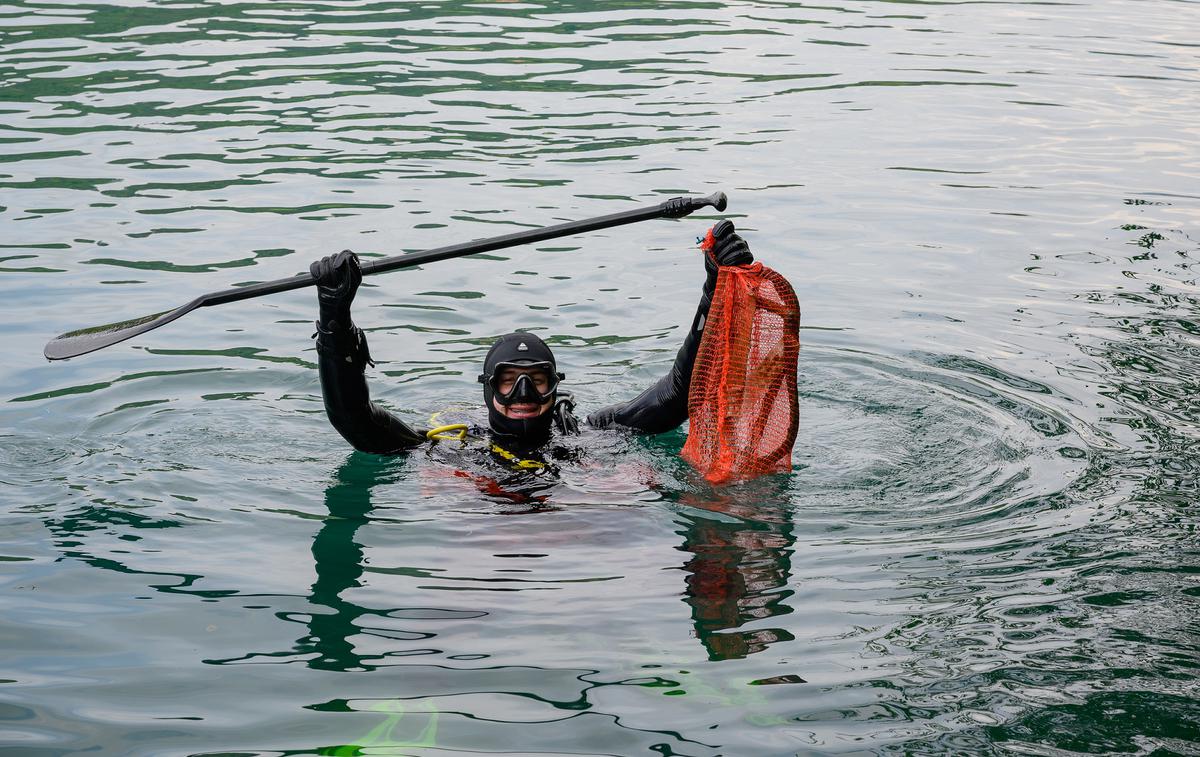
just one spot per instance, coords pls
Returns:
(988, 544)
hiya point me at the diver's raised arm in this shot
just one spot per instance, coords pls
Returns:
(342, 357)
(663, 406)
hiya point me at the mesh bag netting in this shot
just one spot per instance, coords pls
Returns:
(742, 401)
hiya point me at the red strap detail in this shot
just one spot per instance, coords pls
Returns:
(708, 243)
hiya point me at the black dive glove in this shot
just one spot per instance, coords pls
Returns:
(728, 249)
(338, 277)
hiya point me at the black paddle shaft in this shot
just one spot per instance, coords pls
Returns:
(674, 208)
(83, 341)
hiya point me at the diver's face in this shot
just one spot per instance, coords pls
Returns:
(507, 379)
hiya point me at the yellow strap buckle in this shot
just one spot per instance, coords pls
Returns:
(516, 461)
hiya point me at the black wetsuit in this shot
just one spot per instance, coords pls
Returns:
(343, 357)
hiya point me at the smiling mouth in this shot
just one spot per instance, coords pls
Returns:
(522, 410)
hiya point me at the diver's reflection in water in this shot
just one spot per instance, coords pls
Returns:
(338, 561)
(737, 574)
(739, 570)
(338, 556)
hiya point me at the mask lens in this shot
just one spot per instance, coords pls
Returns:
(507, 380)
(524, 383)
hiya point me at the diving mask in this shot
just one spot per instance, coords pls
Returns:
(522, 382)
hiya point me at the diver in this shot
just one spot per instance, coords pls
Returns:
(521, 381)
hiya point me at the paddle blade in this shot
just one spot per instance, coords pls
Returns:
(83, 341)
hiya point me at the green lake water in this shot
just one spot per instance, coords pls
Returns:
(990, 212)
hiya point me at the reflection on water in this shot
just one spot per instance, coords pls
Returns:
(338, 561)
(725, 587)
(737, 574)
(738, 570)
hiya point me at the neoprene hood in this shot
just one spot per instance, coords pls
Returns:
(519, 349)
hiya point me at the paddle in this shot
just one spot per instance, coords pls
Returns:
(83, 341)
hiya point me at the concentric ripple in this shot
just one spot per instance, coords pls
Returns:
(937, 446)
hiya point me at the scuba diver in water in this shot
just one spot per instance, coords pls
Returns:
(521, 380)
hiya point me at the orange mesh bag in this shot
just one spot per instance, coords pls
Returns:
(742, 401)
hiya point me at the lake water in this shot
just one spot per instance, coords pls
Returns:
(990, 212)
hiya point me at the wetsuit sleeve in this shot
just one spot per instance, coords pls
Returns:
(663, 406)
(342, 360)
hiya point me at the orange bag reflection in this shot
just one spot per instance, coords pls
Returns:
(742, 401)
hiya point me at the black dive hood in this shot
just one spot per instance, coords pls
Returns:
(519, 349)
